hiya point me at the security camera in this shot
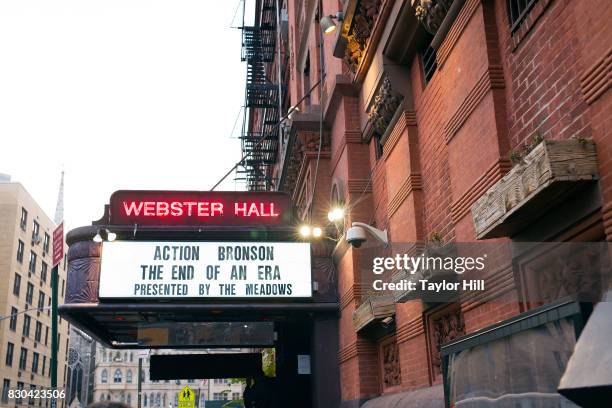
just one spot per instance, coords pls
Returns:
(357, 234)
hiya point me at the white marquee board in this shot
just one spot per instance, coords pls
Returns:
(140, 269)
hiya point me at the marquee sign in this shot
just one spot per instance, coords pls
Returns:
(197, 208)
(139, 269)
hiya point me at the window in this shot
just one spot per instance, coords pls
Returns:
(10, 347)
(20, 387)
(20, 249)
(35, 232)
(35, 362)
(104, 377)
(43, 271)
(428, 58)
(23, 358)
(41, 300)
(235, 396)
(128, 376)
(44, 365)
(26, 326)
(46, 243)
(13, 322)
(17, 285)
(31, 394)
(32, 265)
(30, 293)
(46, 335)
(145, 400)
(129, 399)
(6, 386)
(117, 377)
(517, 11)
(24, 219)
(63, 284)
(102, 397)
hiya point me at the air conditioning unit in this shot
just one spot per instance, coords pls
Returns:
(36, 239)
(19, 374)
(31, 376)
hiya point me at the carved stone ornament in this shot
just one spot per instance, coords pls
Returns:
(431, 13)
(392, 374)
(385, 104)
(363, 22)
(444, 329)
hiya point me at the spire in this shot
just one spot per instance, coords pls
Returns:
(59, 207)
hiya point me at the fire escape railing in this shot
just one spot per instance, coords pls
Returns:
(260, 137)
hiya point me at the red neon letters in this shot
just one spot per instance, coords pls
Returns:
(199, 208)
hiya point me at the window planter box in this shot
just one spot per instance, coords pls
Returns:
(552, 171)
(373, 310)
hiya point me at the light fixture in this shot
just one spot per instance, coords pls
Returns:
(336, 214)
(305, 231)
(110, 236)
(292, 111)
(317, 232)
(327, 24)
(97, 238)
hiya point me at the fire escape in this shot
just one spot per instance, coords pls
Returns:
(260, 134)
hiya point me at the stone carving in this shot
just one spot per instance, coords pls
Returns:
(392, 374)
(431, 13)
(444, 329)
(385, 104)
(361, 29)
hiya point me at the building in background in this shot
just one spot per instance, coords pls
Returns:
(435, 120)
(81, 369)
(25, 297)
(116, 380)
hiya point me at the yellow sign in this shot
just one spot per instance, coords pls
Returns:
(186, 398)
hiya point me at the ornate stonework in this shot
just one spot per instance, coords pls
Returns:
(431, 13)
(443, 329)
(360, 32)
(392, 374)
(385, 104)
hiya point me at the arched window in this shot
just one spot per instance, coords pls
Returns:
(101, 397)
(129, 399)
(151, 399)
(108, 397)
(104, 376)
(117, 377)
(145, 400)
(128, 377)
(122, 397)
(158, 399)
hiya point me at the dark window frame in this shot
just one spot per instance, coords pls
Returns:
(10, 351)
(23, 222)
(30, 293)
(27, 322)
(13, 319)
(23, 358)
(20, 251)
(17, 285)
(32, 262)
(517, 11)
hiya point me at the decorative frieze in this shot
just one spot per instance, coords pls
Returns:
(384, 106)
(366, 13)
(392, 374)
(443, 329)
(431, 13)
(549, 173)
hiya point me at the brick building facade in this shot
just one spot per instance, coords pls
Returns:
(422, 109)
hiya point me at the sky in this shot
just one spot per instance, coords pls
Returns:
(121, 94)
